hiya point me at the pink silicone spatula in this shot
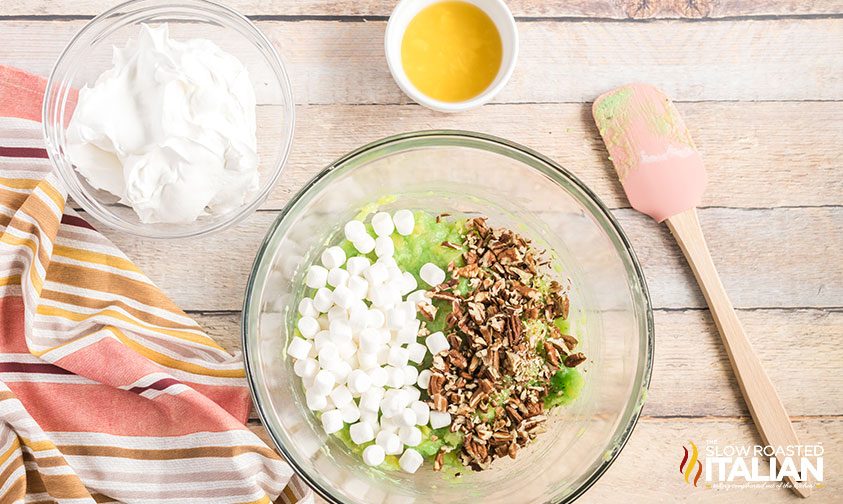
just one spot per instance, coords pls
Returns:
(663, 176)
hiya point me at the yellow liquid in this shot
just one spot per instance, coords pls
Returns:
(451, 51)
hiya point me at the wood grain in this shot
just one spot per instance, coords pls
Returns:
(690, 357)
(336, 62)
(767, 258)
(765, 406)
(609, 9)
(746, 146)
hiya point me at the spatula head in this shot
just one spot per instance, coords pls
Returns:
(657, 162)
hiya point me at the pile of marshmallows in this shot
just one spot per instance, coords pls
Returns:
(358, 353)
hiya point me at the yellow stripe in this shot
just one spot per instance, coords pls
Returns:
(95, 257)
(36, 280)
(53, 311)
(167, 361)
(22, 183)
(10, 280)
(37, 446)
(262, 500)
(54, 194)
(8, 453)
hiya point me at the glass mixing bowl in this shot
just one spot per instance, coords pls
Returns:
(89, 54)
(474, 174)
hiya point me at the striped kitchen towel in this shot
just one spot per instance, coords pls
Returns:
(108, 391)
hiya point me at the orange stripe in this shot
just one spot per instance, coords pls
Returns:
(19, 183)
(11, 280)
(52, 311)
(95, 258)
(169, 362)
(53, 194)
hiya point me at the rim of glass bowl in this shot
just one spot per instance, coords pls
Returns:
(458, 138)
(58, 90)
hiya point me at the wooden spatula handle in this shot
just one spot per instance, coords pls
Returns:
(764, 404)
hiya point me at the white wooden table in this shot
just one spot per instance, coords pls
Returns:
(760, 84)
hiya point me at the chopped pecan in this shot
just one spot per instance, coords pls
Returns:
(575, 360)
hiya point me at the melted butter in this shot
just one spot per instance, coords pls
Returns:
(451, 51)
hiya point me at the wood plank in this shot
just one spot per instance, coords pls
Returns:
(611, 9)
(746, 146)
(692, 377)
(568, 61)
(767, 258)
(646, 471)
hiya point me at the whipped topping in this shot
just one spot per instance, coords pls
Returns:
(169, 129)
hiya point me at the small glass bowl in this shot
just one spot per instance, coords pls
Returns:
(89, 54)
(461, 173)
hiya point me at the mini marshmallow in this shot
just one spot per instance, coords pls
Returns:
(424, 378)
(321, 338)
(337, 277)
(350, 413)
(315, 401)
(418, 296)
(332, 421)
(378, 376)
(410, 436)
(316, 277)
(408, 283)
(376, 318)
(357, 265)
(395, 377)
(404, 222)
(412, 393)
(367, 360)
(358, 286)
(333, 257)
(416, 352)
(323, 300)
(354, 229)
(370, 340)
(432, 274)
(337, 313)
(376, 274)
(342, 296)
(410, 461)
(346, 350)
(398, 356)
(340, 370)
(439, 419)
(373, 455)
(422, 411)
(341, 396)
(323, 382)
(328, 354)
(324, 322)
(396, 319)
(409, 333)
(384, 247)
(306, 368)
(340, 331)
(371, 418)
(364, 244)
(359, 381)
(388, 425)
(437, 342)
(306, 308)
(308, 327)
(407, 418)
(389, 442)
(390, 263)
(411, 375)
(382, 224)
(361, 432)
(383, 353)
(299, 348)
(371, 399)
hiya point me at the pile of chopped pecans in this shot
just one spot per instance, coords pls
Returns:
(495, 365)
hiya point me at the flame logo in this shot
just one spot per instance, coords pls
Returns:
(686, 467)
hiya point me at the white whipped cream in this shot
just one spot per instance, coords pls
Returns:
(170, 129)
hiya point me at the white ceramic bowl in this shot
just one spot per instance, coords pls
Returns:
(406, 10)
